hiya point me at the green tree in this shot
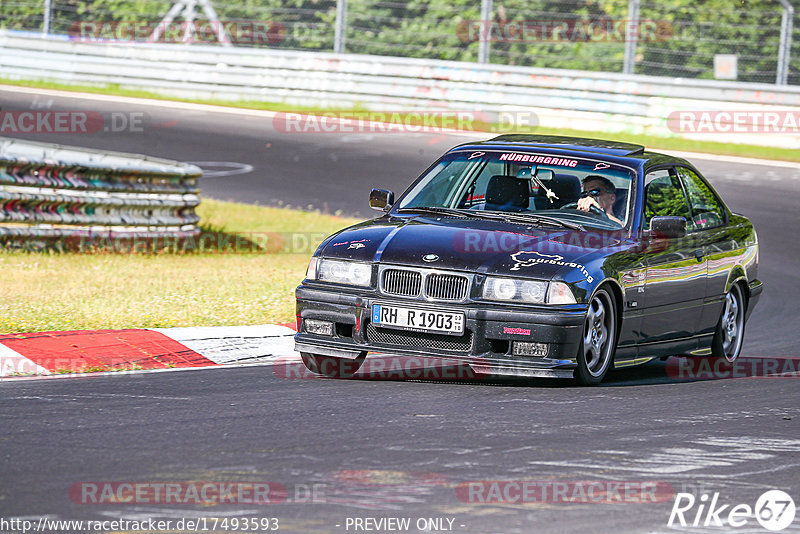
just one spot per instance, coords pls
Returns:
(699, 29)
(690, 32)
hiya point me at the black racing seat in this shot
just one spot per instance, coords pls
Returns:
(507, 193)
(566, 187)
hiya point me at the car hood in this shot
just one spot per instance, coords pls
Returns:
(472, 245)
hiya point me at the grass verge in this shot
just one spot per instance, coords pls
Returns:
(73, 291)
(651, 141)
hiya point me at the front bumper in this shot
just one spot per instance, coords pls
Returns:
(754, 294)
(486, 345)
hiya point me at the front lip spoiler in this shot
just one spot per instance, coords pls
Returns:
(502, 370)
(350, 354)
(492, 366)
(756, 287)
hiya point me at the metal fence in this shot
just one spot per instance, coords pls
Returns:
(54, 192)
(675, 38)
(577, 100)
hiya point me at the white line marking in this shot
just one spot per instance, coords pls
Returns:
(216, 169)
(170, 104)
(752, 444)
(122, 374)
(14, 363)
(727, 159)
(233, 344)
(76, 396)
(142, 513)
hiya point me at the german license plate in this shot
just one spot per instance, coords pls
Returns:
(418, 319)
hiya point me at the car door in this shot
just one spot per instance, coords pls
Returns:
(675, 274)
(710, 232)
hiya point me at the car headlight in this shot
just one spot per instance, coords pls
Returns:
(530, 291)
(343, 272)
(512, 289)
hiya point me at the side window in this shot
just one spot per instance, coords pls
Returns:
(707, 212)
(663, 196)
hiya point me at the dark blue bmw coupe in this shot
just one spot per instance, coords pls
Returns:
(536, 255)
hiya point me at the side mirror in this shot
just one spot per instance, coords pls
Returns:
(381, 200)
(668, 227)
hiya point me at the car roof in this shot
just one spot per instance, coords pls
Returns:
(617, 150)
(583, 144)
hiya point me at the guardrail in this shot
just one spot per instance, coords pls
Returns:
(53, 192)
(578, 100)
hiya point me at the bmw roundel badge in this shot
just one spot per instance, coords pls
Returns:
(430, 257)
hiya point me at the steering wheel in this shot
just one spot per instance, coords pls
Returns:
(597, 210)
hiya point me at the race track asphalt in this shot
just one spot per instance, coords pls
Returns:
(401, 448)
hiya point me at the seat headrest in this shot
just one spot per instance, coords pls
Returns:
(504, 192)
(567, 187)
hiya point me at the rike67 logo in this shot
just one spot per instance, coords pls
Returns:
(774, 510)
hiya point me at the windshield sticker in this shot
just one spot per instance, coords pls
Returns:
(476, 155)
(552, 259)
(601, 166)
(546, 160)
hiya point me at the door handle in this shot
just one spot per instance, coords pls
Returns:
(699, 254)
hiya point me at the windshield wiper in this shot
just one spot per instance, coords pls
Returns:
(496, 216)
(486, 215)
(547, 221)
(433, 210)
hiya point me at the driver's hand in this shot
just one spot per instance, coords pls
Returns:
(586, 202)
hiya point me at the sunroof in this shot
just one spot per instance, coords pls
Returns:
(604, 146)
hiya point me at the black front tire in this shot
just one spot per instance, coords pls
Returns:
(728, 337)
(599, 342)
(332, 366)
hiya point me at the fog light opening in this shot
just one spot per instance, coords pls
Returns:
(344, 330)
(525, 348)
(499, 346)
(320, 328)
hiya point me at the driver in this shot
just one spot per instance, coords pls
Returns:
(598, 191)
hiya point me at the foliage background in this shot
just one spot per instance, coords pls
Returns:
(695, 30)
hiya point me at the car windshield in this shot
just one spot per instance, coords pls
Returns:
(526, 183)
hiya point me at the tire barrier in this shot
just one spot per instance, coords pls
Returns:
(55, 193)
